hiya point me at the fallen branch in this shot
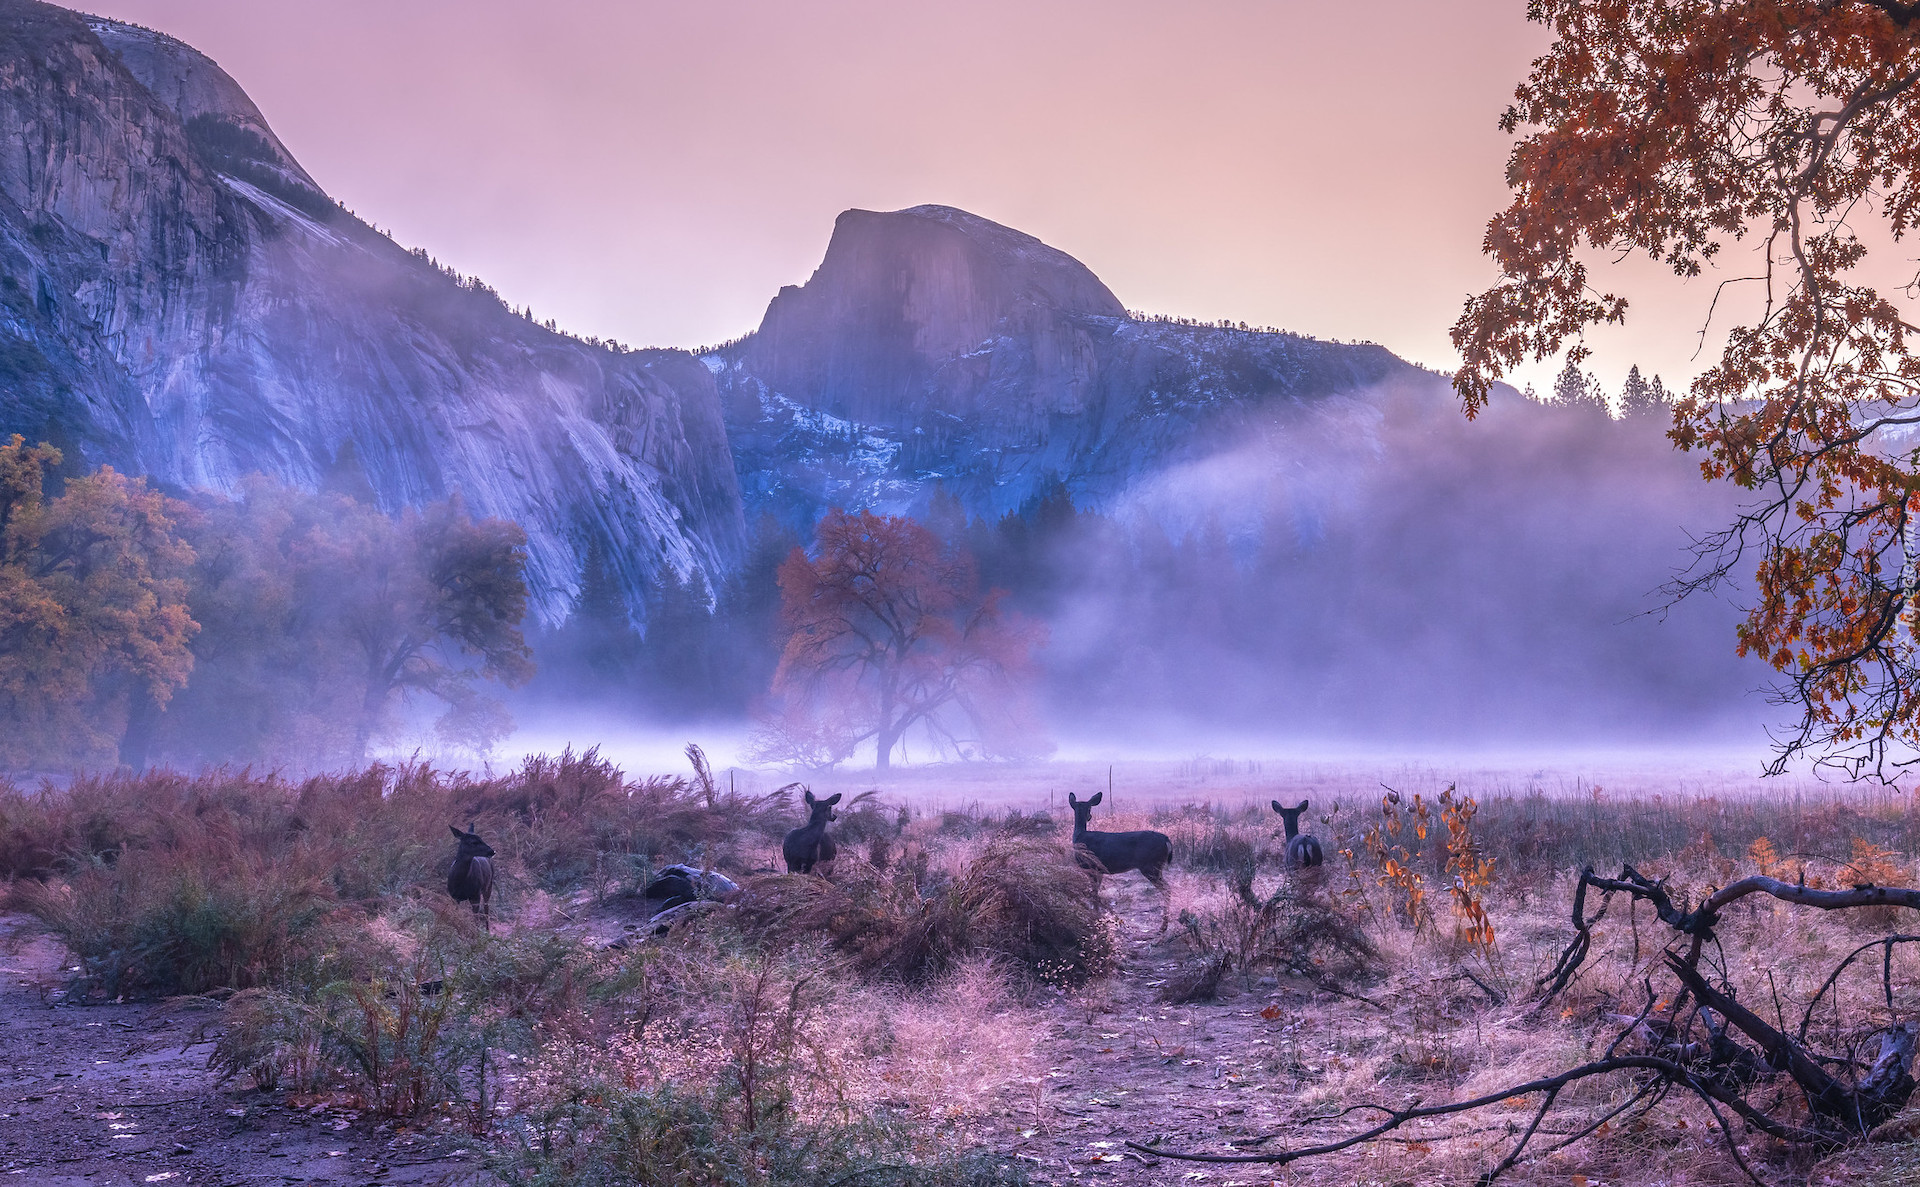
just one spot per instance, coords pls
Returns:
(1883, 1092)
(1665, 1068)
(1699, 922)
(1575, 953)
(1886, 975)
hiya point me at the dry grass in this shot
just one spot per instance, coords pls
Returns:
(956, 965)
(163, 883)
(1022, 901)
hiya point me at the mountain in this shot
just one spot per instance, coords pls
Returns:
(1220, 526)
(936, 349)
(180, 298)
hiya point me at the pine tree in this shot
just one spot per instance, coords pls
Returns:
(601, 627)
(1640, 398)
(1573, 388)
(946, 515)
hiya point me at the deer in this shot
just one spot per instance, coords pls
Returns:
(1303, 851)
(470, 878)
(808, 846)
(1116, 853)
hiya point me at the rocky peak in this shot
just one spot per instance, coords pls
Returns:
(224, 124)
(935, 348)
(902, 296)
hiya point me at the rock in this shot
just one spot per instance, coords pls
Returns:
(672, 917)
(180, 299)
(933, 346)
(678, 884)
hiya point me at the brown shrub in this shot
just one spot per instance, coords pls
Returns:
(1018, 899)
(168, 883)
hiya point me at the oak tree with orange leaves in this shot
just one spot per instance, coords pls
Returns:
(1790, 132)
(93, 614)
(889, 636)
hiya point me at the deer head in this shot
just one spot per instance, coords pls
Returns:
(822, 812)
(470, 843)
(1291, 816)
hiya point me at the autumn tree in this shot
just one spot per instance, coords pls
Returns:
(321, 615)
(93, 617)
(271, 683)
(888, 635)
(1788, 133)
(430, 603)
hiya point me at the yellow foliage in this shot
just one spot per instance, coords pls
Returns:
(1472, 871)
(93, 613)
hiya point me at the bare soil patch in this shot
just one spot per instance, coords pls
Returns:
(107, 1095)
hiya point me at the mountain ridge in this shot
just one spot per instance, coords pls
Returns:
(934, 348)
(180, 298)
(176, 300)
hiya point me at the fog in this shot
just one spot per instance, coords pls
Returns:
(1380, 570)
(1363, 577)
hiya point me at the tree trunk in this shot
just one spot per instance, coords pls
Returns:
(143, 720)
(371, 707)
(887, 735)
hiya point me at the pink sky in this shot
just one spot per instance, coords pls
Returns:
(655, 171)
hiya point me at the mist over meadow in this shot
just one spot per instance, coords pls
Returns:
(1373, 569)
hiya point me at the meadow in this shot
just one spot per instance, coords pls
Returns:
(959, 1002)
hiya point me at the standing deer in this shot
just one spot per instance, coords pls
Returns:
(1116, 853)
(1303, 851)
(809, 845)
(470, 878)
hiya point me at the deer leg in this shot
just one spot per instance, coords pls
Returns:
(1159, 880)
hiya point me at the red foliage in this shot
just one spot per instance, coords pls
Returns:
(888, 635)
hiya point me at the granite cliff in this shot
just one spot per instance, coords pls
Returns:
(179, 298)
(934, 348)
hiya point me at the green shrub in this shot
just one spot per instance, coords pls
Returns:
(414, 1020)
(156, 923)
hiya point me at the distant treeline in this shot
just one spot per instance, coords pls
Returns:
(276, 627)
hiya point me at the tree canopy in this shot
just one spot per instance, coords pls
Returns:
(1684, 128)
(277, 626)
(888, 632)
(93, 614)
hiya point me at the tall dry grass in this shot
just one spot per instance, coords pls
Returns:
(164, 883)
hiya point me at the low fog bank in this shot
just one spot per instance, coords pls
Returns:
(1336, 577)
(1380, 570)
(1137, 778)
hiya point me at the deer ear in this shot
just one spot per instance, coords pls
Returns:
(1302, 807)
(807, 795)
(455, 830)
(1277, 807)
(834, 798)
(1095, 801)
(1071, 802)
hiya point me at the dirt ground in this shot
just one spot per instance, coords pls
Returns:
(1121, 1066)
(120, 1094)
